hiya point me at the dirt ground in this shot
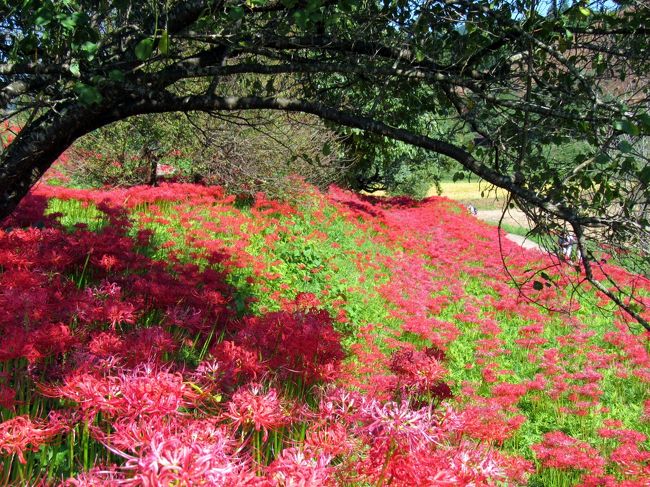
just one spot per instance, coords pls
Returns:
(512, 217)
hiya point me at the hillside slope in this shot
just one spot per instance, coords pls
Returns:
(178, 335)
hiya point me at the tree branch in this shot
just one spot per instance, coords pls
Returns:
(189, 70)
(165, 102)
(586, 264)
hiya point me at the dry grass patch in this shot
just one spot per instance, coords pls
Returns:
(470, 192)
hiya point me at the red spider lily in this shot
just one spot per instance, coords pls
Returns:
(332, 440)
(31, 211)
(238, 363)
(7, 397)
(294, 468)
(180, 459)
(631, 347)
(141, 346)
(147, 345)
(108, 262)
(538, 383)
(51, 339)
(153, 417)
(475, 465)
(393, 423)
(608, 481)
(628, 457)
(14, 342)
(208, 377)
(264, 411)
(98, 476)
(434, 463)
(480, 465)
(385, 465)
(509, 394)
(23, 433)
(340, 404)
(91, 393)
(304, 302)
(147, 391)
(489, 422)
(646, 411)
(105, 344)
(163, 452)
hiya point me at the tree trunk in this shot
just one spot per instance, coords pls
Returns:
(151, 158)
(39, 144)
(33, 151)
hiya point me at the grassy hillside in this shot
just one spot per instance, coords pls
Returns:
(180, 336)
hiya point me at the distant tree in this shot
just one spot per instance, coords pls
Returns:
(518, 74)
(245, 154)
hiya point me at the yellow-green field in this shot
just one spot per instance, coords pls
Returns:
(470, 192)
(482, 195)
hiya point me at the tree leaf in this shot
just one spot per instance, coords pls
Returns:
(458, 176)
(644, 175)
(144, 48)
(69, 22)
(301, 19)
(644, 120)
(602, 158)
(116, 75)
(236, 13)
(625, 147)
(88, 95)
(90, 48)
(163, 43)
(74, 69)
(42, 20)
(627, 126)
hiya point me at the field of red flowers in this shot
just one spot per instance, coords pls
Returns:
(181, 336)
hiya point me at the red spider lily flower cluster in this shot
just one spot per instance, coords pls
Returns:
(301, 343)
(250, 406)
(563, 452)
(22, 433)
(420, 372)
